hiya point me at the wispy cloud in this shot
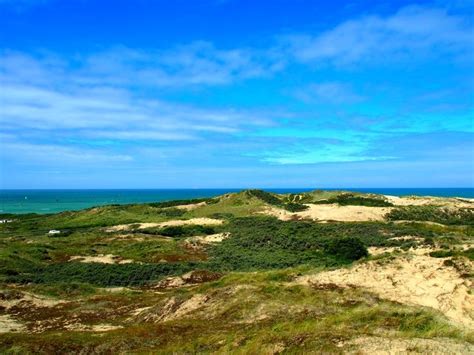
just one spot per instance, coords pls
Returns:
(197, 63)
(414, 29)
(328, 92)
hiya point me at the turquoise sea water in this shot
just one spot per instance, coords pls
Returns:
(52, 201)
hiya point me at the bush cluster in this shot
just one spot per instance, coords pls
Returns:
(353, 200)
(460, 216)
(180, 231)
(102, 274)
(264, 243)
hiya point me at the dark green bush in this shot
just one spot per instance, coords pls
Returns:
(264, 196)
(347, 248)
(180, 231)
(294, 207)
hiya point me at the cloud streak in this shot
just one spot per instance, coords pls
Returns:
(376, 39)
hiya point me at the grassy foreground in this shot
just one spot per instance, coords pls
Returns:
(224, 275)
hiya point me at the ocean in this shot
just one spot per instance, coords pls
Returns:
(53, 201)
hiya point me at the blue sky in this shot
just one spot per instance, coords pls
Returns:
(228, 93)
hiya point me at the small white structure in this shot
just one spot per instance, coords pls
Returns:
(5, 221)
(54, 231)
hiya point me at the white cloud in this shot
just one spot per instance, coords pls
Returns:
(375, 38)
(29, 101)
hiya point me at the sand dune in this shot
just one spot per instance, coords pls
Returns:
(411, 279)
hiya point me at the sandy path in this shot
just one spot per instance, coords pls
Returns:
(412, 279)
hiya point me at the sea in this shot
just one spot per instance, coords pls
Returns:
(53, 201)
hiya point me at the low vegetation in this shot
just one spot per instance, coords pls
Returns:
(443, 215)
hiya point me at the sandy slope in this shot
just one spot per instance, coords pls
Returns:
(411, 279)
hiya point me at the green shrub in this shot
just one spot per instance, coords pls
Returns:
(347, 248)
(295, 207)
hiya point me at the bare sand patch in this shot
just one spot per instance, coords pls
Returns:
(8, 324)
(91, 328)
(203, 221)
(208, 239)
(381, 250)
(333, 212)
(191, 206)
(189, 279)
(195, 302)
(388, 346)
(30, 299)
(102, 259)
(413, 279)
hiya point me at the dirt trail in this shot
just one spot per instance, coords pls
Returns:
(411, 279)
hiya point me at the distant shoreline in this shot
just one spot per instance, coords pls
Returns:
(53, 201)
